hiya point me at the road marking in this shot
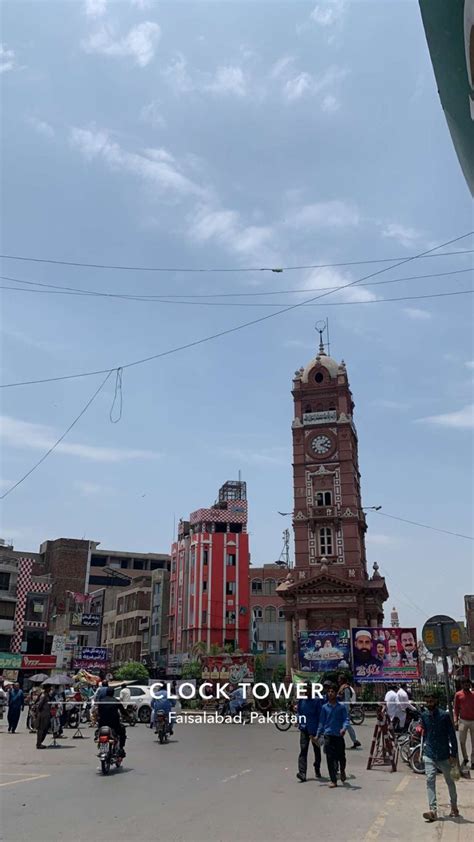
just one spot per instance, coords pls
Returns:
(233, 777)
(25, 780)
(375, 828)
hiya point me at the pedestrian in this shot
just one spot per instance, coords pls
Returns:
(308, 711)
(464, 718)
(43, 717)
(403, 700)
(394, 708)
(16, 703)
(3, 699)
(31, 700)
(346, 695)
(440, 752)
(332, 726)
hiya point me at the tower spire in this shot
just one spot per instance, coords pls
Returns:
(320, 327)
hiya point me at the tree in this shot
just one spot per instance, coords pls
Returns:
(215, 649)
(133, 671)
(191, 669)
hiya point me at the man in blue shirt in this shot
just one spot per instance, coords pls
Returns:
(333, 724)
(308, 711)
(440, 751)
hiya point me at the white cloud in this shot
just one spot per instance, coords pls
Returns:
(330, 278)
(328, 13)
(417, 314)
(227, 228)
(228, 80)
(407, 237)
(156, 167)
(390, 404)
(7, 59)
(41, 126)
(24, 434)
(177, 76)
(152, 115)
(139, 43)
(469, 363)
(330, 104)
(305, 84)
(460, 419)
(143, 5)
(298, 86)
(281, 66)
(95, 8)
(337, 213)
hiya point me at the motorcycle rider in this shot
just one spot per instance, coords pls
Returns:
(237, 700)
(161, 701)
(109, 714)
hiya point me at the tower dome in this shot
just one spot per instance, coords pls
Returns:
(330, 364)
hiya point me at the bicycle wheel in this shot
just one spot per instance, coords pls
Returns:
(405, 749)
(282, 721)
(417, 764)
(357, 716)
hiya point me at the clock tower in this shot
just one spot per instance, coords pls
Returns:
(329, 587)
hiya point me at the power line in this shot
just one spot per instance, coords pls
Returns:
(165, 295)
(425, 526)
(230, 330)
(276, 269)
(155, 300)
(60, 439)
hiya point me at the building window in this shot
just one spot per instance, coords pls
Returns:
(256, 586)
(193, 556)
(204, 586)
(270, 614)
(4, 581)
(271, 646)
(325, 541)
(269, 587)
(230, 560)
(324, 498)
(204, 618)
(230, 617)
(7, 610)
(230, 588)
(205, 556)
(259, 646)
(257, 613)
(281, 614)
(282, 647)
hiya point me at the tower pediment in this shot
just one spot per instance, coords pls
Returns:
(322, 582)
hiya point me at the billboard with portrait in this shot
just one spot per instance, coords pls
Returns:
(385, 654)
(323, 651)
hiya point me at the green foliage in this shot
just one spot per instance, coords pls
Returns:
(215, 649)
(191, 669)
(198, 650)
(259, 667)
(133, 671)
(279, 673)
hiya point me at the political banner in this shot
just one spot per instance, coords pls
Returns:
(385, 654)
(93, 653)
(89, 664)
(231, 668)
(323, 651)
(91, 620)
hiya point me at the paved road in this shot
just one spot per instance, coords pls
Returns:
(212, 783)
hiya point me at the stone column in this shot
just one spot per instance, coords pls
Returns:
(303, 622)
(289, 646)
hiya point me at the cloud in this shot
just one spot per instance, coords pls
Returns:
(7, 59)
(469, 363)
(329, 278)
(152, 115)
(41, 126)
(328, 13)
(305, 84)
(265, 456)
(298, 86)
(139, 43)
(390, 404)
(143, 5)
(281, 66)
(330, 104)
(462, 419)
(226, 227)
(333, 214)
(24, 434)
(95, 8)
(407, 237)
(417, 314)
(228, 80)
(154, 166)
(177, 76)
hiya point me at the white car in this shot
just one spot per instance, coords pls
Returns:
(141, 697)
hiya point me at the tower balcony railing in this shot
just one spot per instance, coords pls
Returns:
(322, 512)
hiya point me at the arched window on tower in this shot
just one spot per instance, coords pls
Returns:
(256, 586)
(270, 614)
(326, 543)
(269, 587)
(323, 498)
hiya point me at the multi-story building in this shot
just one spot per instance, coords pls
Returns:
(126, 629)
(160, 599)
(24, 601)
(266, 611)
(209, 588)
(329, 587)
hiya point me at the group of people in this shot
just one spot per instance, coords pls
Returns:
(323, 723)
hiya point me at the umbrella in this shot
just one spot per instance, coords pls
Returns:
(59, 678)
(39, 678)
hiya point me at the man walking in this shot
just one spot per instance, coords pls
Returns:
(440, 751)
(333, 724)
(346, 695)
(309, 711)
(44, 717)
(16, 703)
(464, 718)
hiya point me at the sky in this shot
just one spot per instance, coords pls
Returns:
(232, 136)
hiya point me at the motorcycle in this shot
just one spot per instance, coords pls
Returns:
(109, 750)
(132, 715)
(162, 726)
(244, 711)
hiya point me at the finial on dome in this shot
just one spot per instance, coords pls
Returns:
(322, 326)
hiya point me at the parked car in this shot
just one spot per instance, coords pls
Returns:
(141, 697)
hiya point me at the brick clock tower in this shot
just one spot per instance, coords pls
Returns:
(329, 587)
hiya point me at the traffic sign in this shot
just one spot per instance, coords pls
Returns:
(441, 635)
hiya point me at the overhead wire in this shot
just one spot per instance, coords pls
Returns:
(230, 330)
(236, 269)
(426, 526)
(52, 288)
(59, 440)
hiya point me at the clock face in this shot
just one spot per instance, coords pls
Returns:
(321, 445)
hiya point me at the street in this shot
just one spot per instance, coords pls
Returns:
(213, 783)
